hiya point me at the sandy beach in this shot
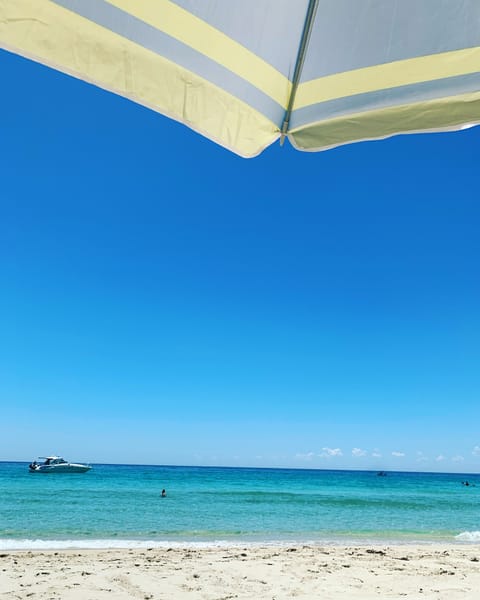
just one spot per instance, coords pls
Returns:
(301, 571)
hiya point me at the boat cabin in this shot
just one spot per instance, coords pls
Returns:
(53, 460)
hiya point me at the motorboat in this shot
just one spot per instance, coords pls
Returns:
(56, 464)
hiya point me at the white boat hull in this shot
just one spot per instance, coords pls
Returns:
(63, 468)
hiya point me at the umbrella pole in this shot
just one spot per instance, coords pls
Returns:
(302, 49)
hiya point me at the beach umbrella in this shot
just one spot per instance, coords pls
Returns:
(245, 73)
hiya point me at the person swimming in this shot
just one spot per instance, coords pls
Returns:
(164, 494)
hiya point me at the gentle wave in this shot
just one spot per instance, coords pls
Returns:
(332, 540)
(107, 544)
(110, 544)
(468, 536)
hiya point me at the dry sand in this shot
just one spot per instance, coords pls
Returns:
(278, 573)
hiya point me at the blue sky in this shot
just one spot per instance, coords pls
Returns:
(164, 301)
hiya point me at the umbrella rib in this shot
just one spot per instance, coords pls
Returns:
(302, 49)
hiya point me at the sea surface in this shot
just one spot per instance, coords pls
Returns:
(121, 506)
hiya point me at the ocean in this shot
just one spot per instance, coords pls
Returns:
(121, 506)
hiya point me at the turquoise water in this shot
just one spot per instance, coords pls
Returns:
(121, 505)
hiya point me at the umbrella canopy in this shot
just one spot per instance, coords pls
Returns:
(246, 72)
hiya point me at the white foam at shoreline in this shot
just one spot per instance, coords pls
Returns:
(112, 544)
(104, 544)
(468, 536)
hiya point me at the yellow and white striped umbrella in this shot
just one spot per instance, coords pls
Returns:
(246, 72)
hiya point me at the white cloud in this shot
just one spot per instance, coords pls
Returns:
(376, 453)
(476, 451)
(440, 457)
(358, 452)
(328, 452)
(305, 456)
(457, 458)
(395, 453)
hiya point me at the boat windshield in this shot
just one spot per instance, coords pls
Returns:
(54, 460)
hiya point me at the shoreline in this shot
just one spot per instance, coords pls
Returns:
(440, 571)
(464, 539)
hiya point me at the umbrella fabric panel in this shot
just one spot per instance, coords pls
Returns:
(446, 114)
(347, 35)
(413, 64)
(202, 39)
(158, 55)
(271, 29)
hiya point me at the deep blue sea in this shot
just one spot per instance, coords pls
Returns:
(121, 505)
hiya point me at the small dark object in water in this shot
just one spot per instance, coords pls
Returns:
(381, 474)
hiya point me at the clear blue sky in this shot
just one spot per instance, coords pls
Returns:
(164, 301)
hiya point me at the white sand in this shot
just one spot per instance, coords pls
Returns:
(440, 572)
